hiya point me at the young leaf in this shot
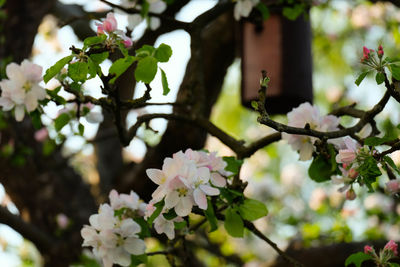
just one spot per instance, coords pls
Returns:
(171, 214)
(92, 68)
(233, 164)
(61, 121)
(380, 78)
(164, 82)
(180, 225)
(320, 169)
(369, 171)
(357, 259)
(163, 53)
(144, 227)
(48, 147)
(36, 121)
(120, 66)
(233, 223)
(263, 10)
(210, 215)
(94, 40)
(361, 77)
(252, 210)
(374, 141)
(395, 71)
(145, 51)
(293, 12)
(146, 69)
(78, 71)
(99, 58)
(159, 206)
(56, 68)
(81, 129)
(391, 163)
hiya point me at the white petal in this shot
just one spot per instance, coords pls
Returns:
(184, 206)
(121, 257)
(211, 191)
(31, 102)
(129, 228)
(171, 199)
(200, 198)
(6, 103)
(217, 179)
(19, 112)
(135, 246)
(204, 174)
(306, 151)
(156, 175)
(14, 72)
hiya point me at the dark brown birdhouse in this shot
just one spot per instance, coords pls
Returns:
(283, 48)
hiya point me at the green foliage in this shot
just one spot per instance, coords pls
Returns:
(230, 195)
(391, 163)
(263, 9)
(144, 227)
(357, 259)
(180, 225)
(163, 53)
(171, 214)
(210, 215)
(164, 83)
(36, 121)
(361, 77)
(120, 66)
(321, 169)
(233, 223)
(234, 164)
(78, 71)
(89, 41)
(146, 69)
(369, 171)
(395, 69)
(159, 206)
(99, 58)
(48, 147)
(81, 129)
(138, 259)
(380, 77)
(61, 121)
(252, 209)
(294, 12)
(56, 68)
(145, 51)
(375, 141)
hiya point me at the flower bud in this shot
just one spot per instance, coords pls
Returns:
(353, 173)
(380, 51)
(391, 245)
(350, 194)
(368, 250)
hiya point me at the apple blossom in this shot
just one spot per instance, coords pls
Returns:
(162, 225)
(393, 186)
(368, 249)
(243, 8)
(21, 90)
(349, 154)
(109, 27)
(299, 117)
(392, 246)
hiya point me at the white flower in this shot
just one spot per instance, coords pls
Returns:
(243, 8)
(119, 201)
(21, 89)
(162, 225)
(299, 117)
(94, 117)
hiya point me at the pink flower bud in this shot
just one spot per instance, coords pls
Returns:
(350, 194)
(353, 173)
(366, 52)
(110, 24)
(368, 249)
(380, 51)
(391, 245)
(100, 29)
(346, 156)
(393, 186)
(345, 165)
(41, 134)
(127, 42)
(62, 221)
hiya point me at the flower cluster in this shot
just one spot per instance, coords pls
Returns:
(185, 180)
(109, 27)
(388, 253)
(373, 58)
(21, 90)
(243, 8)
(113, 233)
(303, 115)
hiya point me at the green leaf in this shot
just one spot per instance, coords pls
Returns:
(2, 2)
(252, 210)
(36, 121)
(171, 214)
(393, 264)
(145, 51)
(61, 121)
(92, 68)
(138, 259)
(163, 53)
(395, 71)
(320, 169)
(78, 71)
(357, 259)
(263, 10)
(375, 141)
(293, 12)
(164, 82)
(146, 69)
(210, 215)
(233, 223)
(144, 227)
(254, 104)
(120, 66)
(180, 225)
(369, 171)
(391, 163)
(361, 77)
(48, 147)
(94, 40)
(159, 206)
(99, 58)
(81, 129)
(233, 164)
(56, 68)
(380, 78)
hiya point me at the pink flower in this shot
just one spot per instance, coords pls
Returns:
(393, 186)
(368, 249)
(41, 134)
(380, 51)
(366, 52)
(391, 245)
(352, 173)
(349, 154)
(110, 23)
(62, 221)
